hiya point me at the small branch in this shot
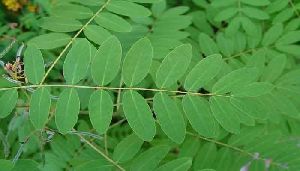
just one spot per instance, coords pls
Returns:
(235, 149)
(101, 153)
(73, 39)
(112, 88)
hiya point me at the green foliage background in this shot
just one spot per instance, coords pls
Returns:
(152, 85)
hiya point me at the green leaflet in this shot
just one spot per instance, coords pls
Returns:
(225, 44)
(6, 165)
(96, 34)
(255, 13)
(225, 159)
(60, 24)
(206, 156)
(253, 89)
(234, 80)
(283, 15)
(289, 49)
(256, 2)
(34, 65)
(107, 60)
(100, 110)
(139, 115)
(272, 34)
(284, 105)
(127, 148)
(169, 117)
(26, 163)
(243, 138)
(94, 165)
(180, 164)
(67, 110)
(72, 11)
(189, 147)
(137, 62)
(225, 114)
(257, 165)
(49, 41)
(274, 68)
(249, 26)
(207, 45)
(8, 102)
(128, 9)
(198, 112)
(40, 107)
(289, 38)
(174, 66)
(226, 14)
(257, 60)
(77, 61)
(206, 70)
(145, 1)
(148, 160)
(113, 22)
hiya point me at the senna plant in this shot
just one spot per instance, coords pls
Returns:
(156, 85)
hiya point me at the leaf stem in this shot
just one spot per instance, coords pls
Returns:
(101, 153)
(109, 88)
